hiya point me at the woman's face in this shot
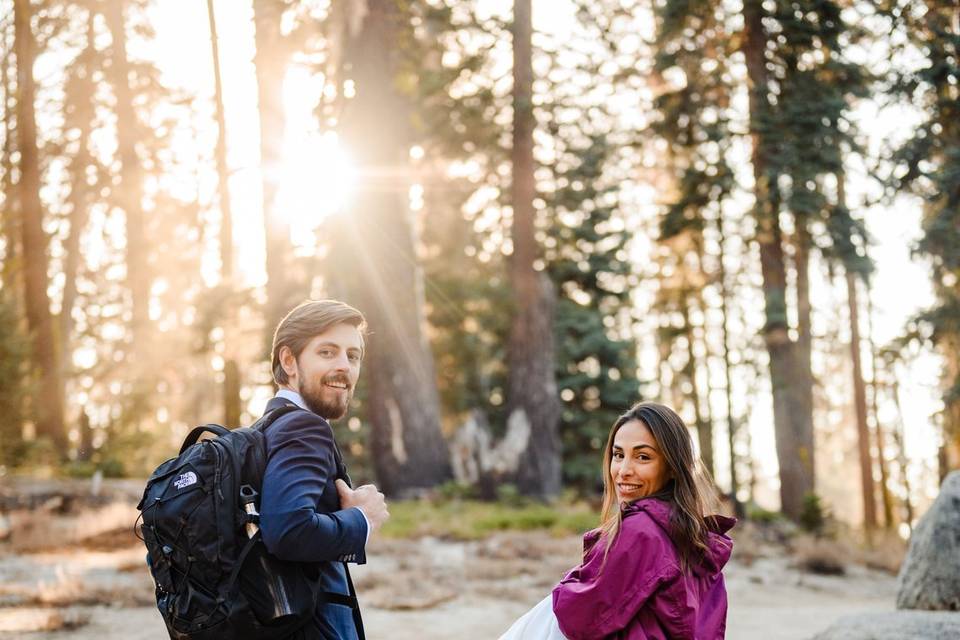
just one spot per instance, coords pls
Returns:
(636, 466)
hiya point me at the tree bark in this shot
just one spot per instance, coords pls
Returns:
(48, 409)
(9, 275)
(860, 404)
(231, 371)
(223, 173)
(79, 192)
(795, 458)
(704, 426)
(532, 389)
(902, 453)
(804, 344)
(270, 60)
(374, 261)
(129, 192)
(885, 494)
(950, 451)
(727, 366)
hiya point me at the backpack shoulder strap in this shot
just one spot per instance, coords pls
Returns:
(195, 434)
(271, 416)
(274, 414)
(254, 477)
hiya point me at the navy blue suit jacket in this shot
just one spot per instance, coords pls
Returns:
(300, 515)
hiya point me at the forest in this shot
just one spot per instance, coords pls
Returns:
(749, 211)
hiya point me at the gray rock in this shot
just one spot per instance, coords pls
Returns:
(895, 625)
(930, 575)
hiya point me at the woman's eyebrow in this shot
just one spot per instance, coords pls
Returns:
(637, 447)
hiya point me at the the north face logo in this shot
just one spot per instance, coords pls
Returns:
(185, 480)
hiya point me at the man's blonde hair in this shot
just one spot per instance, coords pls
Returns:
(305, 322)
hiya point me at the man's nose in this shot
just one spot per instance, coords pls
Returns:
(343, 362)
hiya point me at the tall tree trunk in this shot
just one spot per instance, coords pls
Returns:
(129, 193)
(860, 404)
(231, 371)
(795, 458)
(704, 427)
(223, 173)
(902, 453)
(377, 259)
(9, 275)
(887, 498)
(950, 451)
(804, 344)
(727, 366)
(48, 409)
(532, 388)
(79, 192)
(270, 60)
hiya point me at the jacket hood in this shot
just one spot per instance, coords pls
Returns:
(719, 544)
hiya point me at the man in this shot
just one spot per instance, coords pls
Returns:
(308, 512)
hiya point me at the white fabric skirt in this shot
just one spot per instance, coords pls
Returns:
(537, 624)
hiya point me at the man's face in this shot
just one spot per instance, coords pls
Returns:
(327, 369)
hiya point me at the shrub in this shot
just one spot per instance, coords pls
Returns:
(814, 515)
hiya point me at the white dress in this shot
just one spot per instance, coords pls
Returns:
(537, 624)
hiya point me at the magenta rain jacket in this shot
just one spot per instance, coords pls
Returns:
(641, 594)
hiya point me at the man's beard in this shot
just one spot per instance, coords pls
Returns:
(331, 408)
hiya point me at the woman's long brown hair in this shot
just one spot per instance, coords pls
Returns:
(689, 488)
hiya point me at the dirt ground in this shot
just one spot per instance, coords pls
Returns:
(416, 589)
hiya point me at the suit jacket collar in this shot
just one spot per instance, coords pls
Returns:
(278, 401)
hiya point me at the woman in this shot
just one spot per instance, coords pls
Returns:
(652, 570)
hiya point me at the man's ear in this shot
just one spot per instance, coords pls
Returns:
(288, 361)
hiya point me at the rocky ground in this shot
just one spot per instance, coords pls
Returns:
(412, 589)
(422, 589)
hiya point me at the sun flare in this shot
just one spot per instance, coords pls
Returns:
(318, 177)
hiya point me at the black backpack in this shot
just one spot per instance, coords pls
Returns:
(213, 579)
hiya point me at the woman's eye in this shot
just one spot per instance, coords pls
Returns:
(326, 353)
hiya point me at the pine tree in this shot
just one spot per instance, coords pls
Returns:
(693, 116)
(10, 218)
(928, 164)
(589, 264)
(231, 370)
(85, 171)
(273, 51)
(48, 408)
(373, 259)
(14, 349)
(129, 192)
(799, 88)
(586, 229)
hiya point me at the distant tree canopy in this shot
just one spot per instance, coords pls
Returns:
(928, 164)
(555, 215)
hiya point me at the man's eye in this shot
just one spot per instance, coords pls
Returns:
(354, 357)
(326, 353)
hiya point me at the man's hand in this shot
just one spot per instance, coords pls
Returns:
(368, 499)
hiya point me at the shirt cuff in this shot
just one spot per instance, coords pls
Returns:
(368, 526)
